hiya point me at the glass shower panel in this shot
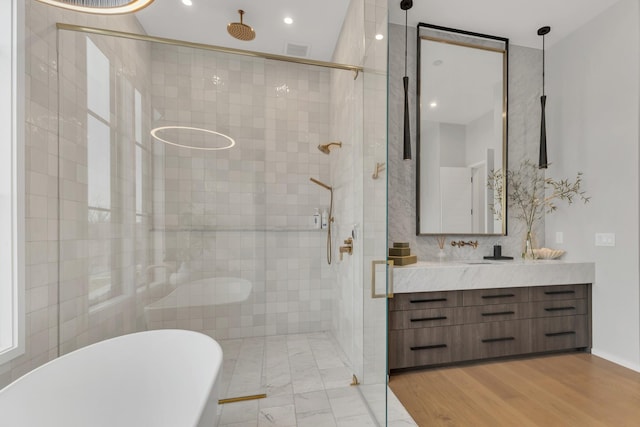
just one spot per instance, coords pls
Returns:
(170, 230)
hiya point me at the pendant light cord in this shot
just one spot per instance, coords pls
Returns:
(406, 21)
(543, 66)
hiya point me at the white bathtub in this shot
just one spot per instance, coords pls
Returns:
(147, 379)
(210, 292)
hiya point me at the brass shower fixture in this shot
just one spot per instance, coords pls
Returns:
(325, 148)
(240, 30)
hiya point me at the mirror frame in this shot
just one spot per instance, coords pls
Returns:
(505, 116)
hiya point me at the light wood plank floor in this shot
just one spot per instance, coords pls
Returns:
(576, 389)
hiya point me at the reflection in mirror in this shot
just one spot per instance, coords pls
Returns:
(461, 130)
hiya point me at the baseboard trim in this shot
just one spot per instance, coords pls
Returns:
(616, 360)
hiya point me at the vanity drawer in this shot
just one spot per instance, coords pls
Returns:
(495, 339)
(423, 300)
(560, 333)
(494, 296)
(555, 308)
(494, 313)
(424, 346)
(411, 319)
(558, 292)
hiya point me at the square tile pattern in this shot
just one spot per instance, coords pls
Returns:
(307, 381)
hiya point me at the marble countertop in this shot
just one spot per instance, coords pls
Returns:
(482, 274)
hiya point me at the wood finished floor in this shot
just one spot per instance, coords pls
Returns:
(576, 389)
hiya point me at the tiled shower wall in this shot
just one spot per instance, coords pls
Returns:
(245, 212)
(41, 162)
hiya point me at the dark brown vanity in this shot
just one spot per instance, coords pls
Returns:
(434, 328)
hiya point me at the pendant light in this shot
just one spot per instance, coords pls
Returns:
(100, 7)
(542, 160)
(406, 5)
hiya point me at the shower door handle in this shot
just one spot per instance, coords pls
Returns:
(389, 271)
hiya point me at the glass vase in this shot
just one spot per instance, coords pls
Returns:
(528, 246)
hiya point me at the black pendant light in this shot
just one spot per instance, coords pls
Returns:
(542, 160)
(406, 5)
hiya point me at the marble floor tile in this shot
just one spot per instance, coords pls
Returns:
(347, 402)
(239, 412)
(336, 377)
(306, 378)
(280, 416)
(313, 401)
(316, 419)
(363, 420)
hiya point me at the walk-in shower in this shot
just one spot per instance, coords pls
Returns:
(219, 241)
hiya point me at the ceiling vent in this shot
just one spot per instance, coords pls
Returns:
(295, 49)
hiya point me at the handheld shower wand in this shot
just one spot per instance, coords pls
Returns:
(328, 187)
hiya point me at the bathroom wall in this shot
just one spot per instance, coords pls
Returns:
(41, 129)
(592, 127)
(525, 86)
(245, 212)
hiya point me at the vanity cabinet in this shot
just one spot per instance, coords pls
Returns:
(434, 328)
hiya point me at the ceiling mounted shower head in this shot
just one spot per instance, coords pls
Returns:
(325, 148)
(240, 30)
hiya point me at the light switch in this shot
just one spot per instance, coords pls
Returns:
(559, 237)
(605, 239)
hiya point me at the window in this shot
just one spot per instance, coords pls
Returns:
(142, 177)
(102, 284)
(12, 324)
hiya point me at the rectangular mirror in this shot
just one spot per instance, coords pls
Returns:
(461, 131)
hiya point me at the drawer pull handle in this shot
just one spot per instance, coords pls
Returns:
(498, 296)
(490, 340)
(428, 347)
(418, 301)
(559, 308)
(557, 334)
(559, 292)
(499, 313)
(426, 319)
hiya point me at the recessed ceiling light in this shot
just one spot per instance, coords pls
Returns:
(288, 20)
(433, 104)
(379, 36)
(187, 2)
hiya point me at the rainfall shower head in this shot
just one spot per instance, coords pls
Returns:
(325, 147)
(240, 30)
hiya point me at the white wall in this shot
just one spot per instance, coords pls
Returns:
(592, 126)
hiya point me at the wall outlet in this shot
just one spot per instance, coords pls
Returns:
(605, 239)
(559, 237)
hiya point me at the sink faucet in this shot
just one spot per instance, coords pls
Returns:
(462, 243)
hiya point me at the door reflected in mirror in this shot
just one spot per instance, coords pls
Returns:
(462, 131)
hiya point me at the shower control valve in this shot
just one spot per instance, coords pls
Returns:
(347, 248)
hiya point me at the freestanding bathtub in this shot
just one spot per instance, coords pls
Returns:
(164, 378)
